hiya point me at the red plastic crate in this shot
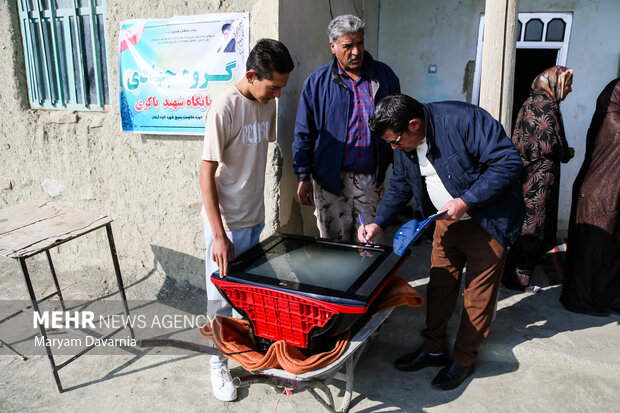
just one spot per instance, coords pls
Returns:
(276, 315)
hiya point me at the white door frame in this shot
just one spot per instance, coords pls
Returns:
(561, 47)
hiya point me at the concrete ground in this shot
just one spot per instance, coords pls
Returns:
(538, 357)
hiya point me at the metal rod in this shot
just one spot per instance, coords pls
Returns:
(281, 382)
(24, 22)
(66, 22)
(348, 393)
(35, 307)
(49, 260)
(57, 66)
(47, 84)
(117, 271)
(96, 44)
(79, 34)
(329, 404)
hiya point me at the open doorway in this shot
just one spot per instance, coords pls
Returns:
(541, 41)
(529, 64)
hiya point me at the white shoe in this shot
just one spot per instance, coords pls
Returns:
(223, 387)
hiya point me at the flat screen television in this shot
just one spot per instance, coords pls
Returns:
(296, 288)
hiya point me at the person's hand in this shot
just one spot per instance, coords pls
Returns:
(372, 231)
(222, 251)
(304, 193)
(455, 209)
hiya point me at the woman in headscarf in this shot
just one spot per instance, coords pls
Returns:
(592, 279)
(540, 139)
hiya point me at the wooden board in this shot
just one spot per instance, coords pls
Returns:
(32, 227)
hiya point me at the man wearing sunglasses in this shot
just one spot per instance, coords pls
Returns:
(458, 157)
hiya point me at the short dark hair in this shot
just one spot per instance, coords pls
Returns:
(394, 112)
(267, 56)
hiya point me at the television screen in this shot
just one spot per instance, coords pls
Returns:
(299, 289)
(330, 266)
(327, 270)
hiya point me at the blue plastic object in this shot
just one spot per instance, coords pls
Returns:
(411, 231)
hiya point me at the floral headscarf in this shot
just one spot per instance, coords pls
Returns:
(552, 81)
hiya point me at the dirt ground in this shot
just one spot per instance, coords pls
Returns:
(538, 357)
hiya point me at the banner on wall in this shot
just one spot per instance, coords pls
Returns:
(170, 70)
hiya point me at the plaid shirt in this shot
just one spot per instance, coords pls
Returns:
(359, 152)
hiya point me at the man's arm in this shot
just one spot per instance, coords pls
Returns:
(397, 195)
(303, 144)
(223, 249)
(488, 143)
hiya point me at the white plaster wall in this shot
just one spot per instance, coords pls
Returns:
(304, 31)
(147, 183)
(414, 34)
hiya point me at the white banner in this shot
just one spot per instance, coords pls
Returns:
(170, 70)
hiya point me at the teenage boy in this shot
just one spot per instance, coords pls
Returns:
(239, 125)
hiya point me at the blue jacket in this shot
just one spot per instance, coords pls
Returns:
(322, 122)
(475, 161)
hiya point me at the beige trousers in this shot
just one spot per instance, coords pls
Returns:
(337, 215)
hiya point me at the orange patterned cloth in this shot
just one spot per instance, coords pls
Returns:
(233, 337)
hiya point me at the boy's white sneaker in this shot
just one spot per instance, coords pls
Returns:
(223, 387)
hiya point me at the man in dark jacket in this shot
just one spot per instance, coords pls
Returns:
(458, 157)
(340, 165)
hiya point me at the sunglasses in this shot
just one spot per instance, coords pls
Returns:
(395, 141)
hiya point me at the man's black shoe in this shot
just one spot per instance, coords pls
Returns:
(419, 360)
(451, 376)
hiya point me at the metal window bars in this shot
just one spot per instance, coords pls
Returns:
(64, 49)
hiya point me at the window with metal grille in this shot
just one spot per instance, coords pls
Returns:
(65, 53)
(535, 31)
